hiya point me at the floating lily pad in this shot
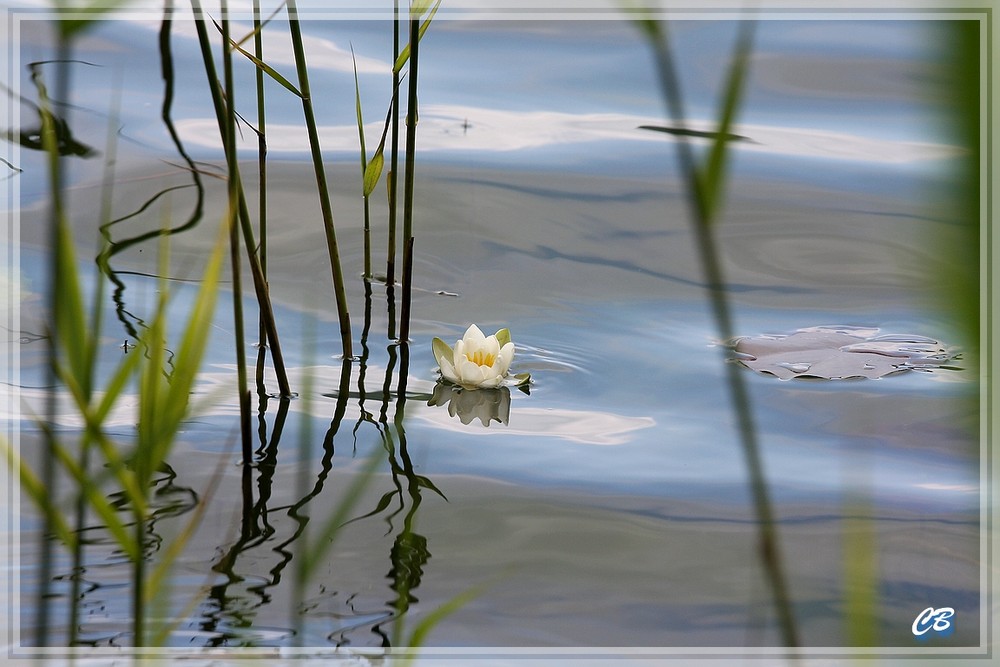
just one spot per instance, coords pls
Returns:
(840, 353)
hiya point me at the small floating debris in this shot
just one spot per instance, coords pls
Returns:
(840, 353)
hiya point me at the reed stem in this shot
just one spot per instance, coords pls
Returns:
(259, 282)
(57, 229)
(324, 194)
(390, 264)
(411, 148)
(262, 188)
(246, 437)
(704, 190)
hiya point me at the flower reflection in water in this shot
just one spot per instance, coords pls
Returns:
(486, 405)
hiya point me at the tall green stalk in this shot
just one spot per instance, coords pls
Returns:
(411, 149)
(324, 194)
(246, 436)
(58, 235)
(107, 188)
(262, 183)
(705, 187)
(390, 263)
(259, 282)
(411, 53)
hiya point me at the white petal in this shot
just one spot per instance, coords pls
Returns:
(469, 374)
(492, 345)
(448, 371)
(504, 358)
(492, 382)
(473, 336)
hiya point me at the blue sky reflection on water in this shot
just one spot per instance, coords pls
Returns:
(583, 69)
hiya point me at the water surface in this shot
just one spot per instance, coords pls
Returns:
(611, 505)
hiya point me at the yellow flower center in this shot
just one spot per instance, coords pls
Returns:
(482, 358)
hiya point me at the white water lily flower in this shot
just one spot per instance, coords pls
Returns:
(476, 361)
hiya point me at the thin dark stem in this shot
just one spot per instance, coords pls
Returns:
(324, 194)
(139, 583)
(368, 239)
(262, 188)
(411, 148)
(246, 434)
(390, 265)
(404, 308)
(259, 282)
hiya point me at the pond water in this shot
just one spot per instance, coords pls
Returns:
(610, 505)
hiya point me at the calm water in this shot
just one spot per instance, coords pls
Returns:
(611, 506)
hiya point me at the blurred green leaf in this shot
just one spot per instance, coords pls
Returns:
(42, 496)
(330, 530)
(94, 12)
(714, 173)
(98, 502)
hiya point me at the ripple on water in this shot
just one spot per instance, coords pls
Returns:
(554, 358)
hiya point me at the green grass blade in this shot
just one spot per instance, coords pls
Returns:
(165, 404)
(263, 66)
(116, 385)
(357, 110)
(331, 529)
(70, 27)
(373, 172)
(42, 496)
(431, 620)
(257, 30)
(416, 12)
(119, 468)
(109, 516)
(69, 318)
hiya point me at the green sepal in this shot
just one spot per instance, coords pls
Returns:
(442, 351)
(503, 336)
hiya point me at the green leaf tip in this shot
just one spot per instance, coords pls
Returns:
(503, 336)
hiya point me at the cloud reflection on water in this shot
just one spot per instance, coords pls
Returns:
(215, 389)
(478, 129)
